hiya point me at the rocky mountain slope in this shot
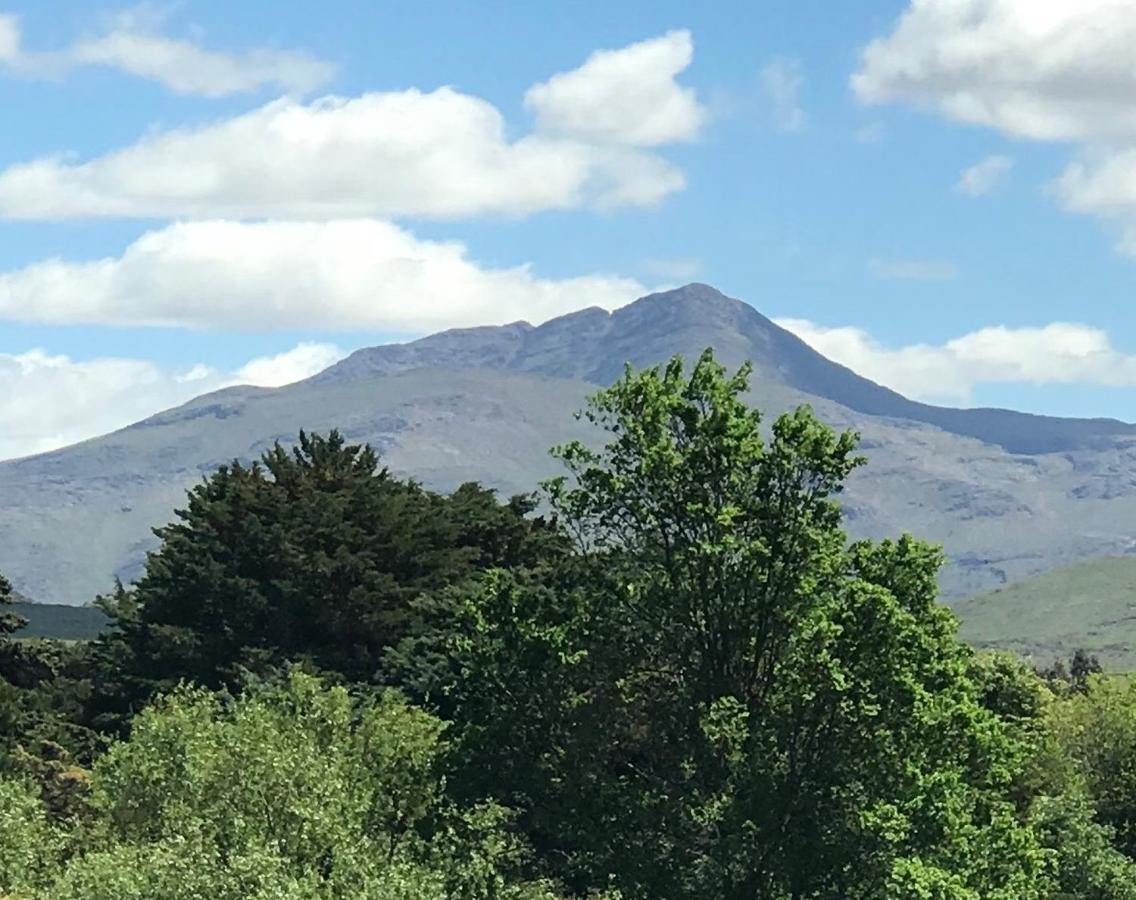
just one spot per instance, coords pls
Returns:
(1008, 494)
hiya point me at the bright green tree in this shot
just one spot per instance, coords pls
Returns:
(718, 696)
(294, 790)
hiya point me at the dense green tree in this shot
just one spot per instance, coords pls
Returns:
(1094, 745)
(294, 790)
(719, 696)
(314, 552)
(44, 689)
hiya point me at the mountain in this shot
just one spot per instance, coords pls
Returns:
(1008, 494)
(593, 345)
(60, 622)
(1089, 606)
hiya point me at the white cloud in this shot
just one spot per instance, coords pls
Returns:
(438, 154)
(358, 273)
(981, 178)
(1044, 70)
(52, 401)
(134, 46)
(302, 361)
(1058, 353)
(626, 96)
(782, 82)
(913, 269)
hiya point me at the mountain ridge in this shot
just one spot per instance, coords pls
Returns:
(486, 403)
(797, 365)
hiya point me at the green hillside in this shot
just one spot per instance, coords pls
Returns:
(1091, 605)
(68, 623)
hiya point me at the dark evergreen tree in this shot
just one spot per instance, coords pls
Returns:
(312, 553)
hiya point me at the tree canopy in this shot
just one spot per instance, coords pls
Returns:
(316, 553)
(681, 680)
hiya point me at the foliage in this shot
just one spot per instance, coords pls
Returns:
(1074, 676)
(312, 553)
(1094, 732)
(719, 696)
(685, 682)
(293, 790)
(9, 621)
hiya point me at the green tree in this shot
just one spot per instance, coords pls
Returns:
(316, 553)
(718, 695)
(10, 622)
(44, 689)
(294, 790)
(1094, 746)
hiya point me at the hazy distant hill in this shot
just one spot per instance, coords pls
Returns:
(1091, 605)
(68, 623)
(1008, 494)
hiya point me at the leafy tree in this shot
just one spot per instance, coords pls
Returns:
(313, 553)
(719, 696)
(292, 791)
(1074, 676)
(30, 846)
(1094, 734)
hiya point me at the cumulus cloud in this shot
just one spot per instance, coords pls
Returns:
(302, 361)
(626, 96)
(134, 46)
(358, 273)
(441, 154)
(1031, 68)
(981, 178)
(1047, 71)
(51, 401)
(913, 269)
(1058, 353)
(782, 82)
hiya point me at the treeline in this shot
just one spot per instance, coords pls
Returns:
(670, 675)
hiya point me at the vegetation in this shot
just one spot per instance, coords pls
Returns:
(682, 681)
(1087, 606)
(59, 622)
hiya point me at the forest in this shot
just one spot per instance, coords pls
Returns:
(668, 674)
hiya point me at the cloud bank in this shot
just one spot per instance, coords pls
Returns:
(1032, 69)
(346, 274)
(438, 154)
(1058, 353)
(51, 401)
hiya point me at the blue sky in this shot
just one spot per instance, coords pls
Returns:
(180, 207)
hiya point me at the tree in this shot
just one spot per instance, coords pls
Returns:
(718, 695)
(315, 553)
(1075, 676)
(1094, 735)
(294, 790)
(9, 621)
(44, 687)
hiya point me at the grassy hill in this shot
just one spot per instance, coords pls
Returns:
(1090, 605)
(68, 623)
